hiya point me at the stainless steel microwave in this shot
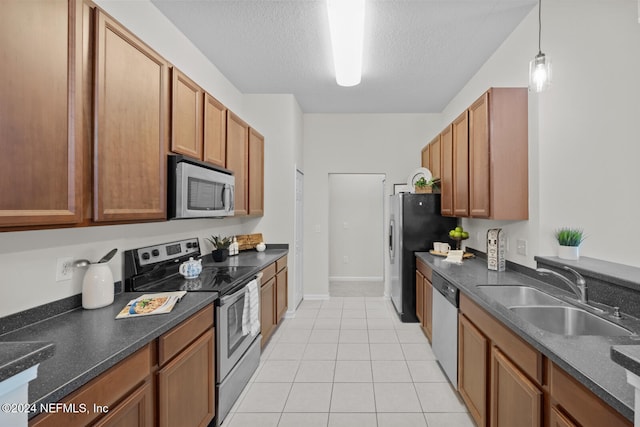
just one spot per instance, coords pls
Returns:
(198, 190)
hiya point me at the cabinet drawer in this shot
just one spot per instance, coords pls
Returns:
(424, 269)
(521, 353)
(182, 335)
(584, 406)
(281, 263)
(105, 390)
(268, 272)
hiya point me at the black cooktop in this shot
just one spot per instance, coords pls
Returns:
(212, 279)
(155, 269)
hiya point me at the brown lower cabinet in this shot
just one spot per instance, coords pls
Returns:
(274, 292)
(177, 371)
(424, 297)
(505, 382)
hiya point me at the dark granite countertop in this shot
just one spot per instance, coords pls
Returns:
(627, 356)
(16, 357)
(88, 342)
(586, 358)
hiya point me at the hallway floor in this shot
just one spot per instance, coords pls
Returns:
(350, 362)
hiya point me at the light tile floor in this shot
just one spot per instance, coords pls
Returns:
(348, 361)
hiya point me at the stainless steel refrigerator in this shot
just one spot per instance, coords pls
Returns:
(414, 224)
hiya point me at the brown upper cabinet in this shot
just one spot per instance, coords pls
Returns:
(199, 122)
(238, 159)
(41, 90)
(431, 157)
(425, 156)
(215, 131)
(186, 116)
(256, 173)
(446, 169)
(484, 158)
(498, 155)
(131, 128)
(461, 165)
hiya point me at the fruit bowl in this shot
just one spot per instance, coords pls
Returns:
(458, 240)
(458, 234)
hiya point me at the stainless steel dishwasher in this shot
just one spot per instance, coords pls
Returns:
(445, 327)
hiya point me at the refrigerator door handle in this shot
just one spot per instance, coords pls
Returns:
(391, 227)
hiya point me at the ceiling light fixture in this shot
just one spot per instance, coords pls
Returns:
(346, 25)
(540, 66)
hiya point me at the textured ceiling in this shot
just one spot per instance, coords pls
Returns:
(418, 53)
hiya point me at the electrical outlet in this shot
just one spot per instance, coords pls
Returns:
(521, 245)
(64, 269)
(345, 259)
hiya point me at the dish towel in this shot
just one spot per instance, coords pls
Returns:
(251, 311)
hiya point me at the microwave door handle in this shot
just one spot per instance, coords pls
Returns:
(227, 196)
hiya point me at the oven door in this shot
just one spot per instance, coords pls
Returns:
(231, 343)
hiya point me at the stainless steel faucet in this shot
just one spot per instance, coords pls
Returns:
(580, 287)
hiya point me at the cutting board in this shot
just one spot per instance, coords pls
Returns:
(249, 241)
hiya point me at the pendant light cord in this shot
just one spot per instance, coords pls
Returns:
(539, 26)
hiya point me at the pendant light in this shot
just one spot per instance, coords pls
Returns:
(540, 66)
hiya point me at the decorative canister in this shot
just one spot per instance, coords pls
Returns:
(97, 286)
(496, 248)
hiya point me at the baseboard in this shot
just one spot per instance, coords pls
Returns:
(312, 297)
(355, 279)
(290, 314)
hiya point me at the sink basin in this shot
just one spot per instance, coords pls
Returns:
(568, 321)
(512, 295)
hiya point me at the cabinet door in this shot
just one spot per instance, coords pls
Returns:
(428, 308)
(461, 165)
(420, 297)
(186, 116)
(558, 419)
(131, 129)
(256, 173)
(425, 156)
(186, 385)
(281, 293)
(473, 369)
(434, 158)
(215, 131)
(238, 159)
(479, 172)
(135, 411)
(446, 168)
(515, 400)
(267, 309)
(40, 121)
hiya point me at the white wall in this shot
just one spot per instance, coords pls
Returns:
(583, 132)
(353, 143)
(356, 227)
(28, 258)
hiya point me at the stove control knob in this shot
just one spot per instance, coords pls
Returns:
(145, 255)
(155, 252)
(189, 245)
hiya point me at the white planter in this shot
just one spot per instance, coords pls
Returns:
(571, 253)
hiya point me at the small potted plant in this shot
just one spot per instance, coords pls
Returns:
(569, 240)
(424, 186)
(220, 245)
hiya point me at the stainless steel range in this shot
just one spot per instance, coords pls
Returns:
(155, 269)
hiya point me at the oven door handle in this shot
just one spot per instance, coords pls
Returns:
(231, 298)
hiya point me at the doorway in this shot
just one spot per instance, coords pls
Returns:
(356, 235)
(298, 242)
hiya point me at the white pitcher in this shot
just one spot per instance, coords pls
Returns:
(97, 286)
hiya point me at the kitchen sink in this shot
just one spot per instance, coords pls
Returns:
(565, 320)
(513, 295)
